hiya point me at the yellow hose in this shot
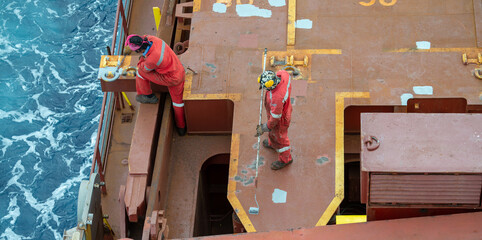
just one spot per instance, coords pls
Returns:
(127, 100)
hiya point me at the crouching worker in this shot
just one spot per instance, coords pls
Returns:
(159, 64)
(278, 108)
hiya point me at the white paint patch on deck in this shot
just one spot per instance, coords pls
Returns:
(304, 23)
(248, 10)
(279, 196)
(277, 3)
(423, 90)
(405, 98)
(423, 45)
(219, 8)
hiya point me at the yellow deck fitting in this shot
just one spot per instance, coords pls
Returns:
(467, 60)
(293, 62)
(478, 73)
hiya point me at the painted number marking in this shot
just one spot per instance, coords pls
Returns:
(382, 2)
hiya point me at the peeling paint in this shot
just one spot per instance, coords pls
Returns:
(321, 160)
(219, 8)
(248, 10)
(404, 98)
(279, 196)
(304, 24)
(423, 90)
(244, 171)
(212, 66)
(253, 165)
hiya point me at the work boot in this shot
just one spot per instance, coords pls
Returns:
(181, 131)
(277, 165)
(151, 99)
(266, 144)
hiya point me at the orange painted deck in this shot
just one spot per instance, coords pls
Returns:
(360, 53)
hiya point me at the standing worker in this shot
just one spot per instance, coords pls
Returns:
(159, 64)
(278, 107)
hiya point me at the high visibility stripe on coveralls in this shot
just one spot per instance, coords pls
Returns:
(178, 104)
(160, 58)
(276, 115)
(283, 149)
(137, 73)
(162, 54)
(287, 90)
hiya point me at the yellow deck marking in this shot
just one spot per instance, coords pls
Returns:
(291, 23)
(235, 97)
(339, 154)
(384, 3)
(233, 199)
(303, 52)
(432, 50)
(367, 4)
(196, 6)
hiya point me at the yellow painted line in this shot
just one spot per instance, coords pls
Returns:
(307, 51)
(196, 6)
(433, 50)
(367, 4)
(233, 199)
(391, 3)
(291, 23)
(187, 95)
(339, 153)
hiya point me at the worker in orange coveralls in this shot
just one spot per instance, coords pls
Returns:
(278, 107)
(159, 64)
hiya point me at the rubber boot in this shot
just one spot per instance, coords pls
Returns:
(277, 165)
(150, 99)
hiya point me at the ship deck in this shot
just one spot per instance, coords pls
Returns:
(359, 53)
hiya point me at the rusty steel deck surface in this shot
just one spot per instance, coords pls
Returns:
(359, 52)
(457, 226)
(423, 143)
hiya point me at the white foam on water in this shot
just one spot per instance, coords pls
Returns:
(17, 12)
(52, 12)
(9, 234)
(13, 211)
(5, 144)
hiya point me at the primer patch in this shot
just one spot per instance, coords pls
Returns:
(423, 45)
(277, 3)
(248, 10)
(304, 24)
(423, 90)
(279, 196)
(404, 98)
(219, 8)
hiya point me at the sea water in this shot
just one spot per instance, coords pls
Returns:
(50, 103)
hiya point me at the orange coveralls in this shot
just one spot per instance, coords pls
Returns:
(278, 107)
(161, 66)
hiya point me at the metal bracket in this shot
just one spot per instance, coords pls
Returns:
(109, 74)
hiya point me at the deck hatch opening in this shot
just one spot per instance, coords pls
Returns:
(213, 214)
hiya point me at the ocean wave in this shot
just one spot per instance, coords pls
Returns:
(51, 98)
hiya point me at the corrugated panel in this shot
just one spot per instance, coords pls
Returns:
(425, 189)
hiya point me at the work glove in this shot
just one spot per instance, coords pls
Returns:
(262, 128)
